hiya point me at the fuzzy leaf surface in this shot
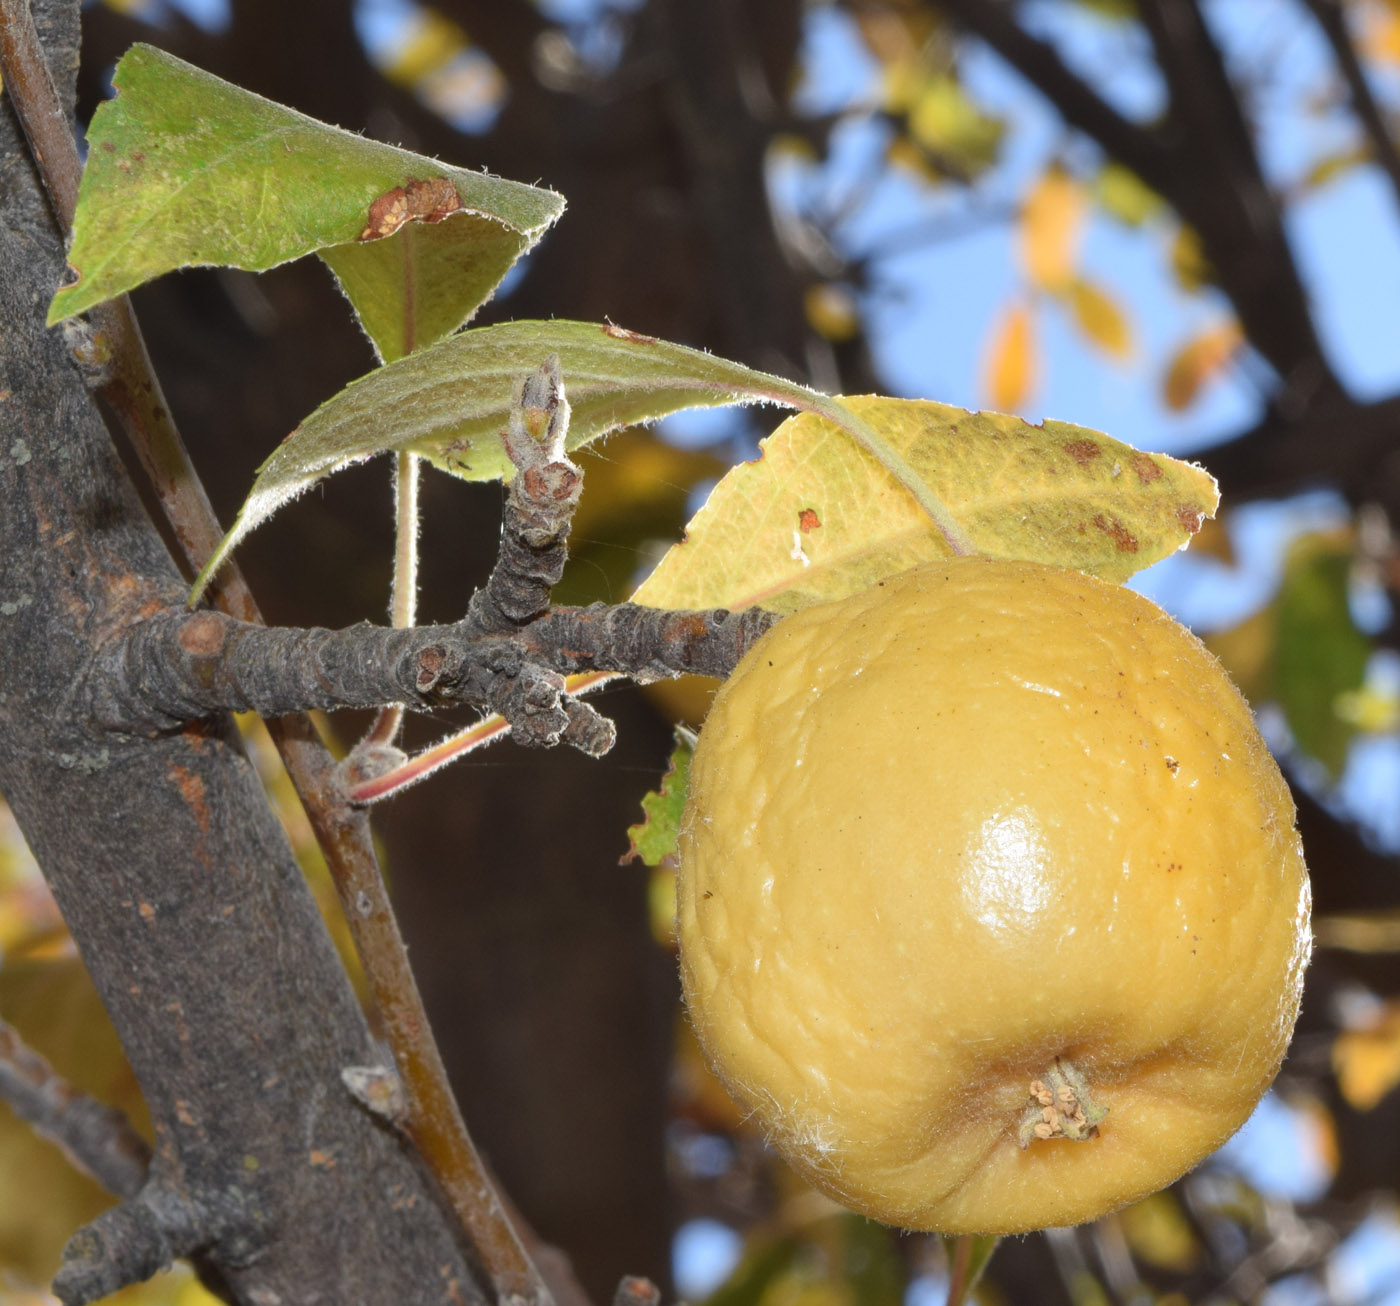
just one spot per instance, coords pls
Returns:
(185, 169)
(449, 403)
(817, 517)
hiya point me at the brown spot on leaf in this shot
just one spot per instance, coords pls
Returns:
(108, 147)
(808, 520)
(1123, 539)
(430, 200)
(1083, 451)
(622, 333)
(1189, 517)
(1147, 470)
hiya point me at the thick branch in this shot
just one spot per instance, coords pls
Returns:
(1218, 186)
(97, 1138)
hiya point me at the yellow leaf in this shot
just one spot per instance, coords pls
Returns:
(1247, 651)
(1122, 193)
(1367, 1061)
(945, 121)
(43, 1198)
(1100, 319)
(430, 41)
(1159, 1233)
(818, 517)
(1370, 709)
(902, 153)
(1198, 361)
(1214, 541)
(1380, 39)
(1010, 369)
(892, 35)
(1332, 166)
(1188, 259)
(832, 311)
(1052, 225)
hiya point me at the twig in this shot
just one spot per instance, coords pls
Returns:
(177, 667)
(1332, 19)
(135, 396)
(95, 1137)
(539, 507)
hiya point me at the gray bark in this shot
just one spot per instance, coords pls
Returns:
(174, 876)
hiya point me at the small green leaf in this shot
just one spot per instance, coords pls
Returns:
(185, 169)
(653, 839)
(819, 517)
(450, 401)
(1319, 654)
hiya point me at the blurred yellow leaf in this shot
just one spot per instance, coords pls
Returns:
(1247, 652)
(1010, 368)
(892, 35)
(819, 517)
(1052, 225)
(43, 1197)
(1159, 1233)
(832, 311)
(1371, 710)
(1213, 540)
(1375, 931)
(1188, 259)
(1198, 361)
(1098, 316)
(1380, 37)
(1319, 1130)
(945, 121)
(1367, 1060)
(429, 42)
(1332, 166)
(684, 700)
(902, 153)
(1121, 193)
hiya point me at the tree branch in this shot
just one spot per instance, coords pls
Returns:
(1201, 159)
(510, 653)
(1136, 147)
(180, 666)
(97, 1138)
(1332, 19)
(1218, 186)
(134, 394)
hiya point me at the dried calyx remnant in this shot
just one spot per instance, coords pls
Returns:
(509, 654)
(1061, 1106)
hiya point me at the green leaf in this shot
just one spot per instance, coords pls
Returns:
(1319, 655)
(818, 517)
(450, 401)
(653, 839)
(185, 169)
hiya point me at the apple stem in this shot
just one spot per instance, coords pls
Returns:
(1061, 1106)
